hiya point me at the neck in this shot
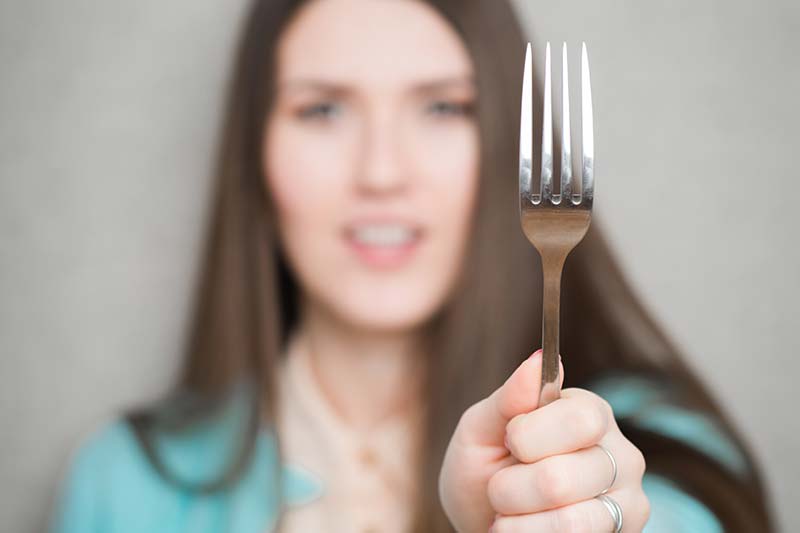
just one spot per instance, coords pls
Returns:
(366, 375)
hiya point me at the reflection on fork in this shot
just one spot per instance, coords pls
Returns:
(554, 221)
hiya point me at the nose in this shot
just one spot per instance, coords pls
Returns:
(382, 168)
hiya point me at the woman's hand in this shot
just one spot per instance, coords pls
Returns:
(540, 469)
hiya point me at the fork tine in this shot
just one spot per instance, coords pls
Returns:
(566, 142)
(546, 185)
(526, 129)
(587, 130)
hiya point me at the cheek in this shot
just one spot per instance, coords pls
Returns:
(307, 174)
(307, 193)
(450, 165)
(447, 163)
(303, 171)
(450, 157)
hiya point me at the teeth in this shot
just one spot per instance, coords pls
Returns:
(383, 235)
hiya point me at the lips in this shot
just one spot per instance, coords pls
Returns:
(384, 235)
(383, 243)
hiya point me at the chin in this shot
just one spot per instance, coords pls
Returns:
(382, 312)
(385, 322)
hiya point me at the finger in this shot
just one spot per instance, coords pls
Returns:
(484, 423)
(578, 419)
(589, 516)
(552, 482)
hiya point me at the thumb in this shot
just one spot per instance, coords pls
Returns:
(484, 424)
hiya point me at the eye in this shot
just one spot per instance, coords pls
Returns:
(321, 110)
(451, 108)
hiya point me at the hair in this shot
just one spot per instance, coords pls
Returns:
(246, 301)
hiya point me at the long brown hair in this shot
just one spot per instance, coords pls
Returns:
(246, 302)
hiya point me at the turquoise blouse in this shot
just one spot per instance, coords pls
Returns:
(110, 487)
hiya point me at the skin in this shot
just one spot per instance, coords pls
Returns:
(386, 127)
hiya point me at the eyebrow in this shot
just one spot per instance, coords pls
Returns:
(342, 88)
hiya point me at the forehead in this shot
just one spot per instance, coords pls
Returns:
(378, 44)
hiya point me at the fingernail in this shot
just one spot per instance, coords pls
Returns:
(534, 354)
(506, 444)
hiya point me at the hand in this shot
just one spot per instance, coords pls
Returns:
(539, 469)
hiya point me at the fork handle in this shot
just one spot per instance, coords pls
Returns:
(552, 267)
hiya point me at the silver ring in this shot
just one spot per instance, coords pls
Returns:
(614, 466)
(613, 508)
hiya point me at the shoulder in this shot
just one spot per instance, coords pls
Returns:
(111, 486)
(650, 404)
(107, 450)
(108, 444)
(106, 456)
(671, 508)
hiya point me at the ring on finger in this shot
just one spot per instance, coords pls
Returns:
(613, 465)
(613, 508)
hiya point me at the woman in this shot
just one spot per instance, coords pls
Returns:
(360, 356)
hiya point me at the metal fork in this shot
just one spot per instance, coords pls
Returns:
(554, 221)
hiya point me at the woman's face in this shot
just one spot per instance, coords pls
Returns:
(371, 157)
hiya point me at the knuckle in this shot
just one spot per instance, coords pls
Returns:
(588, 421)
(466, 416)
(470, 412)
(603, 404)
(515, 431)
(499, 491)
(634, 459)
(553, 484)
(570, 519)
(467, 419)
(505, 525)
(606, 405)
(639, 462)
(645, 507)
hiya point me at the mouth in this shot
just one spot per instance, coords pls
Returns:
(383, 244)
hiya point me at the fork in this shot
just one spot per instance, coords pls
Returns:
(554, 221)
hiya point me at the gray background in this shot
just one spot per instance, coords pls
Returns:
(109, 112)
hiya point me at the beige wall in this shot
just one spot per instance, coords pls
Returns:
(696, 120)
(108, 119)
